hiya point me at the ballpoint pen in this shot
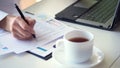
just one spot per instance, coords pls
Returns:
(23, 17)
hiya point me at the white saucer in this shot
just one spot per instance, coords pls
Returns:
(96, 58)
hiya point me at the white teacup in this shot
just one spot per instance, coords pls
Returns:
(78, 46)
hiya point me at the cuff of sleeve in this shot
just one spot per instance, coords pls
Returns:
(2, 15)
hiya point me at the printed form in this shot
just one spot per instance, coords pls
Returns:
(46, 32)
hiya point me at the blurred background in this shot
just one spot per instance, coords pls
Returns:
(26, 3)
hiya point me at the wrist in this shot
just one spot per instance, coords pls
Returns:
(6, 22)
(3, 23)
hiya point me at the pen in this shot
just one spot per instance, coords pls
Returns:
(23, 17)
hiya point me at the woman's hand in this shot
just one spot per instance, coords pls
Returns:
(18, 27)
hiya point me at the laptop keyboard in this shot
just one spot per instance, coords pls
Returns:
(101, 12)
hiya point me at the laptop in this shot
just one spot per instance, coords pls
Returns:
(103, 14)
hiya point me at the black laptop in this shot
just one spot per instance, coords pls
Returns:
(103, 14)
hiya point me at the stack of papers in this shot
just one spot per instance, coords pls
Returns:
(47, 32)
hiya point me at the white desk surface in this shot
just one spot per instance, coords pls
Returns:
(107, 41)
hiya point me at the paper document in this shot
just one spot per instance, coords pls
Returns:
(18, 46)
(46, 32)
(4, 50)
(55, 30)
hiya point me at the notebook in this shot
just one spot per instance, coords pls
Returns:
(103, 14)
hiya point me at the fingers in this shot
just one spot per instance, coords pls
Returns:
(31, 21)
(20, 37)
(22, 30)
(24, 25)
(19, 33)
